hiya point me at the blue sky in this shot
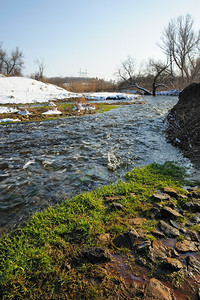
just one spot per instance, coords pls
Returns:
(94, 35)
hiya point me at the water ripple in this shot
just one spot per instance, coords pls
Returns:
(44, 163)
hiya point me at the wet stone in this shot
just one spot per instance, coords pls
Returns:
(170, 191)
(172, 264)
(96, 255)
(193, 264)
(192, 206)
(195, 194)
(160, 197)
(158, 234)
(154, 213)
(156, 290)
(176, 224)
(127, 239)
(192, 236)
(143, 246)
(168, 229)
(193, 220)
(169, 213)
(186, 246)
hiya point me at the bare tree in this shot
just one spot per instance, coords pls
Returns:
(160, 74)
(11, 64)
(39, 75)
(126, 72)
(181, 44)
(156, 75)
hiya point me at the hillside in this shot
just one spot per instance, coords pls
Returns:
(28, 90)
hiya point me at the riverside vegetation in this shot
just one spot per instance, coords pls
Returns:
(129, 240)
(66, 109)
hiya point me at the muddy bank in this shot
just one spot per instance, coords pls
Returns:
(184, 123)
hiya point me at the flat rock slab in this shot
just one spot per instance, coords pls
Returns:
(155, 290)
(168, 229)
(169, 213)
(170, 191)
(172, 264)
(160, 197)
(186, 246)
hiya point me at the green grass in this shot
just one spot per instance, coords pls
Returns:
(102, 107)
(65, 108)
(35, 259)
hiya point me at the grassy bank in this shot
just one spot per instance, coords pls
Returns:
(43, 259)
(66, 109)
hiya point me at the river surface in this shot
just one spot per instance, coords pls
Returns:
(43, 163)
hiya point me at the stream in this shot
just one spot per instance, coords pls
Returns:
(43, 163)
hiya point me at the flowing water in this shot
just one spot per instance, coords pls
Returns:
(43, 163)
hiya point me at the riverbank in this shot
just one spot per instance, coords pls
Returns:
(115, 242)
(59, 110)
(45, 112)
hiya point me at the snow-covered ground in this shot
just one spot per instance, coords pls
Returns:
(110, 96)
(27, 90)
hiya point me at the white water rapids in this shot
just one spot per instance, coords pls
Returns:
(43, 163)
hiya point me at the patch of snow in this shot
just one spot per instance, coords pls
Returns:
(27, 90)
(52, 112)
(51, 104)
(110, 96)
(84, 106)
(9, 120)
(7, 110)
(23, 112)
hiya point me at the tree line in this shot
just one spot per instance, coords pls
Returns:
(181, 47)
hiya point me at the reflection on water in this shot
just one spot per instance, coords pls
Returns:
(44, 163)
